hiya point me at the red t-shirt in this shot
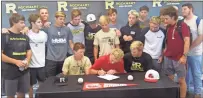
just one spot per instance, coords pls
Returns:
(175, 47)
(104, 63)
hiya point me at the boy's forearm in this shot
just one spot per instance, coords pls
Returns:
(28, 56)
(7, 59)
(95, 52)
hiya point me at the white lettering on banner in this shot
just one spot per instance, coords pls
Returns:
(10, 7)
(109, 3)
(94, 85)
(59, 40)
(114, 85)
(62, 5)
(156, 2)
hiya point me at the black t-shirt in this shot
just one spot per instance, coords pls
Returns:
(140, 64)
(89, 39)
(14, 46)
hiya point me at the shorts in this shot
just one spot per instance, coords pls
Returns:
(157, 66)
(170, 67)
(37, 74)
(20, 85)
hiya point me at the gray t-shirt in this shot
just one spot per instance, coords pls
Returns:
(115, 26)
(58, 42)
(78, 33)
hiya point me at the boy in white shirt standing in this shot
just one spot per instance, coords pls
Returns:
(37, 42)
(194, 56)
(154, 41)
(106, 38)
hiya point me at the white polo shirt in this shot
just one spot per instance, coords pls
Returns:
(153, 43)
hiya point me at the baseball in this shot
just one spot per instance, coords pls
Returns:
(80, 80)
(130, 77)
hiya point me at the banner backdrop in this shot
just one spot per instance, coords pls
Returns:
(96, 7)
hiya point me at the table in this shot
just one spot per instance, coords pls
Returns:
(164, 88)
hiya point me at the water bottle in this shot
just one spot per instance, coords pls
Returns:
(23, 68)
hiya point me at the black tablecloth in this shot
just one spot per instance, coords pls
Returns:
(164, 88)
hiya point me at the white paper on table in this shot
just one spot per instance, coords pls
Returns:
(109, 77)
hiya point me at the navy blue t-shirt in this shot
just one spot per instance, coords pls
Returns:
(89, 39)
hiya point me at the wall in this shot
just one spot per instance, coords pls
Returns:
(95, 7)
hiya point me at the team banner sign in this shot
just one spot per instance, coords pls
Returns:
(94, 86)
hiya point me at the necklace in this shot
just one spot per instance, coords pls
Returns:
(80, 66)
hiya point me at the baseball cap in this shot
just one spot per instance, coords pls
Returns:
(91, 18)
(152, 76)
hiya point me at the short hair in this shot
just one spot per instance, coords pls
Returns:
(144, 8)
(104, 20)
(136, 44)
(75, 13)
(60, 14)
(33, 18)
(111, 11)
(161, 11)
(15, 18)
(189, 5)
(117, 53)
(78, 46)
(133, 12)
(155, 19)
(171, 11)
(42, 7)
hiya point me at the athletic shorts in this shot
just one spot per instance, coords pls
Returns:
(20, 85)
(37, 74)
(170, 67)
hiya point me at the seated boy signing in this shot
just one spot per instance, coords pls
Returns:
(109, 64)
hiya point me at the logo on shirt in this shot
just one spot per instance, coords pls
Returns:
(111, 42)
(19, 53)
(58, 40)
(136, 66)
(132, 32)
(108, 40)
(77, 31)
(18, 39)
(159, 36)
(59, 33)
(90, 36)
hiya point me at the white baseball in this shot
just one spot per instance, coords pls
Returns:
(80, 80)
(130, 77)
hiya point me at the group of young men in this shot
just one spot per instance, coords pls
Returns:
(86, 47)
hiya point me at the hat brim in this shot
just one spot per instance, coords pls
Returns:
(151, 80)
(91, 22)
